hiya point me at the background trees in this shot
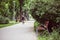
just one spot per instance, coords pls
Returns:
(40, 10)
(9, 9)
(46, 10)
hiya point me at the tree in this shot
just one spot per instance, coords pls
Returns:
(8, 9)
(21, 5)
(43, 10)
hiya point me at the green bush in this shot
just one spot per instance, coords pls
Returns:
(4, 20)
(53, 36)
(36, 24)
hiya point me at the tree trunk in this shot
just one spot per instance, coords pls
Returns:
(21, 12)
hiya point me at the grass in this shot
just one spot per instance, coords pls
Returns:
(10, 23)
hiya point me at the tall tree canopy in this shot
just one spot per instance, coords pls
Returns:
(45, 10)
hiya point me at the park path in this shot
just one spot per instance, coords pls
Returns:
(19, 32)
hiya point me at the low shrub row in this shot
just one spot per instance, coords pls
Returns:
(4, 20)
(53, 36)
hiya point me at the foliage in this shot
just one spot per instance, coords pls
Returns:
(43, 9)
(4, 20)
(36, 24)
(53, 36)
(9, 8)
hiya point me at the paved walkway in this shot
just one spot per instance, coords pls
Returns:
(18, 32)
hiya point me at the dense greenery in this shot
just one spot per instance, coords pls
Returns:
(8, 10)
(46, 11)
(36, 24)
(53, 36)
(41, 10)
(4, 20)
(12, 9)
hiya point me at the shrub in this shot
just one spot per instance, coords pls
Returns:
(53, 36)
(4, 20)
(36, 24)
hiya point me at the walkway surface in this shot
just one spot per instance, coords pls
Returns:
(19, 32)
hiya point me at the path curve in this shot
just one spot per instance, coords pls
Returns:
(19, 32)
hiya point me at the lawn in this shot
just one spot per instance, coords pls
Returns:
(10, 23)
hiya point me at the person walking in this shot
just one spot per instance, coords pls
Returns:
(23, 18)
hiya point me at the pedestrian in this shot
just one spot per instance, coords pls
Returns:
(23, 18)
